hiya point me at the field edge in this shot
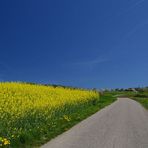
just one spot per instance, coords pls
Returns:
(105, 100)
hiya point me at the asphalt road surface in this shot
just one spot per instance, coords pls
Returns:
(123, 124)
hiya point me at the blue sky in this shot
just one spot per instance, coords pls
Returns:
(84, 43)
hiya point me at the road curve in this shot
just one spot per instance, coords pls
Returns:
(123, 124)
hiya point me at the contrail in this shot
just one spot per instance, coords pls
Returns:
(136, 28)
(133, 6)
(136, 4)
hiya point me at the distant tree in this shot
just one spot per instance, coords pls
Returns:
(117, 89)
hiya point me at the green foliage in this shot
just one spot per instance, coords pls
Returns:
(140, 95)
(143, 101)
(31, 114)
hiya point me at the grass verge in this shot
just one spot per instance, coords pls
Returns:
(142, 98)
(105, 100)
(31, 115)
(143, 101)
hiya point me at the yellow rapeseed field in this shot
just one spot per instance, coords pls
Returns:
(33, 111)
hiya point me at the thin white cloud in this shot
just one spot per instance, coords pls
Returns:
(132, 7)
(137, 27)
(136, 4)
(89, 64)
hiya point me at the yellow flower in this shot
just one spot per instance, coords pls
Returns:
(6, 141)
(66, 118)
(34, 104)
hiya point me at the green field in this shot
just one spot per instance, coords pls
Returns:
(142, 97)
(30, 115)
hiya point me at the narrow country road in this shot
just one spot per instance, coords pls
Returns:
(124, 124)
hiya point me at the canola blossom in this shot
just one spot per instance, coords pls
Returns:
(28, 110)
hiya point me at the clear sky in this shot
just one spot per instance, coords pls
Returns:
(84, 43)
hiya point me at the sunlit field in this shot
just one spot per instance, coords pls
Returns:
(32, 113)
